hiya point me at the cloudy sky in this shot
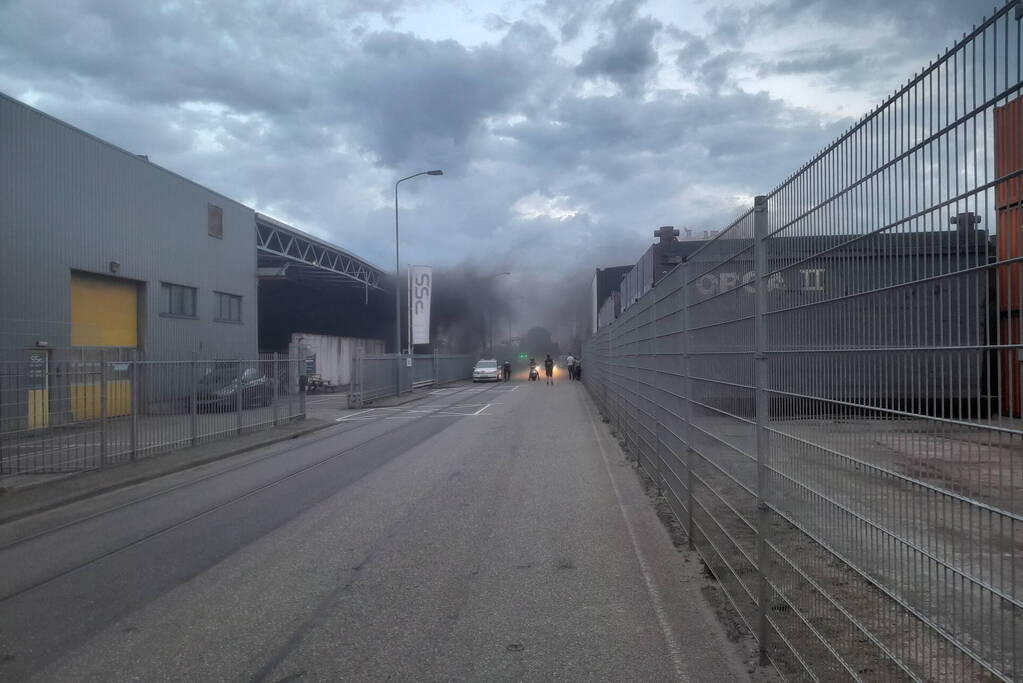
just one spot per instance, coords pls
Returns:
(568, 130)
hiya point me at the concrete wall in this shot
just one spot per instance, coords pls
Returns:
(70, 201)
(334, 354)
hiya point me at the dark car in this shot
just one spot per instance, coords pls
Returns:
(218, 389)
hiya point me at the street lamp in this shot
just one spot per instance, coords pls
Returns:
(397, 281)
(490, 315)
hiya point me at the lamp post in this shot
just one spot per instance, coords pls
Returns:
(490, 315)
(397, 285)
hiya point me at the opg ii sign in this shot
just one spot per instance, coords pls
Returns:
(809, 280)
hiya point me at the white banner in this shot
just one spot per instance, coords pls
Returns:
(419, 302)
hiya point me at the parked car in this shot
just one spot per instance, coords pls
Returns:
(218, 388)
(486, 370)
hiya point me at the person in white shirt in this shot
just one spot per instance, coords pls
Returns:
(570, 362)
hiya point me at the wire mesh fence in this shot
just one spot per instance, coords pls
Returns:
(69, 415)
(828, 392)
(374, 375)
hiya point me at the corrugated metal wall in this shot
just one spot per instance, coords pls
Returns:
(69, 201)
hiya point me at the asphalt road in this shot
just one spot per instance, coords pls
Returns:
(487, 533)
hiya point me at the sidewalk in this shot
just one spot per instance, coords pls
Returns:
(22, 495)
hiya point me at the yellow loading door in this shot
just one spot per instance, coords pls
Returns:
(104, 312)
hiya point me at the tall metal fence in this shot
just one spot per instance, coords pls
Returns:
(69, 415)
(374, 375)
(828, 392)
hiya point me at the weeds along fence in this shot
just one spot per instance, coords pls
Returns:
(828, 392)
(69, 415)
(374, 375)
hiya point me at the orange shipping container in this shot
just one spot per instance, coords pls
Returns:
(1010, 246)
(1012, 365)
(1009, 151)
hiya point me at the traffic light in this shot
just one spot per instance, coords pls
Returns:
(522, 356)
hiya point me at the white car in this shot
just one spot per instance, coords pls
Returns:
(486, 370)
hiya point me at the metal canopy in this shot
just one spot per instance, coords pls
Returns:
(288, 253)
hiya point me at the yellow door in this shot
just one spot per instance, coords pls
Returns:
(104, 312)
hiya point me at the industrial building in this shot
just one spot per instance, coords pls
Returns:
(105, 253)
(103, 249)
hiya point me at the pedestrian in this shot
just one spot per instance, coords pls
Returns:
(548, 366)
(578, 370)
(507, 370)
(570, 363)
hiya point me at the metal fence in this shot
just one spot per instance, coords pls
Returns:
(374, 375)
(63, 416)
(828, 392)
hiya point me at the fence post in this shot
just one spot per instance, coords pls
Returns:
(657, 454)
(302, 390)
(103, 408)
(762, 407)
(238, 399)
(276, 365)
(193, 409)
(687, 414)
(436, 368)
(134, 405)
(290, 368)
(656, 362)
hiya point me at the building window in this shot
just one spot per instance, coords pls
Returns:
(229, 308)
(177, 300)
(216, 221)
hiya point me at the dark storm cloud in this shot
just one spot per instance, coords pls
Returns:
(694, 51)
(625, 54)
(571, 16)
(417, 99)
(310, 110)
(897, 37)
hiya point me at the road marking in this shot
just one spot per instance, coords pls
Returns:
(644, 566)
(481, 410)
(348, 417)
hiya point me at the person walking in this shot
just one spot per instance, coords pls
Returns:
(578, 369)
(548, 366)
(570, 362)
(507, 370)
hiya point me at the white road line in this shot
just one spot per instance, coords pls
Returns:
(644, 566)
(481, 409)
(348, 417)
